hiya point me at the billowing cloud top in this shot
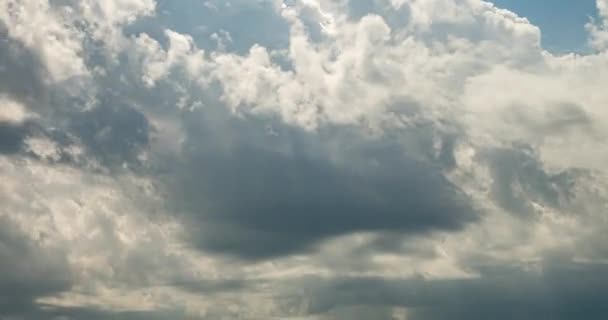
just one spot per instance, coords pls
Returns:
(301, 159)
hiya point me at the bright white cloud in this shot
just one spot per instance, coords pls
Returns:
(12, 111)
(43, 28)
(599, 29)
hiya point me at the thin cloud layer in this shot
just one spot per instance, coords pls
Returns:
(298, 160)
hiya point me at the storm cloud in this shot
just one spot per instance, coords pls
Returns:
(257, 189)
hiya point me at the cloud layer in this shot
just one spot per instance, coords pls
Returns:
(303, 159)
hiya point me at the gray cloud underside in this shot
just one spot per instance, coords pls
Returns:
(28, 271)
(257, 194)
(562, 291)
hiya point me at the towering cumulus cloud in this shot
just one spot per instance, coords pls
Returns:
(301, 159)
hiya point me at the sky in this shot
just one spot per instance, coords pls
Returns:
(303, 159)
(562, 21)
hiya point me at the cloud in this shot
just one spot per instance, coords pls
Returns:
(29, 270)
(22, 73)
(289, 189)
(551, 293)
(12, 137)
(112, 131)
(303, 159)
(520, 180)
(39, 27)
(599, 29)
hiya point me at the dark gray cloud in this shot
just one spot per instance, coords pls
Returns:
(44, 312)
(28, 271)
(113, 131)
(255, 188)
(561, 290)
(22, 73)
(12, 136)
